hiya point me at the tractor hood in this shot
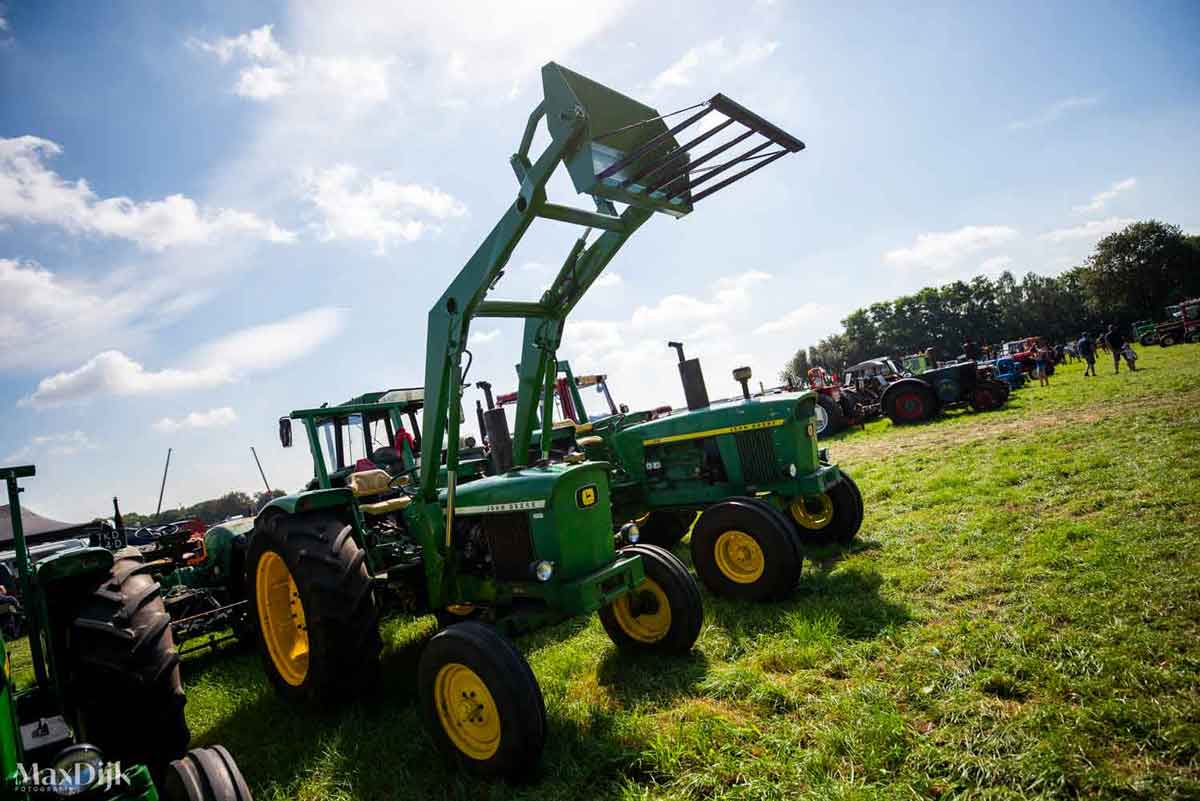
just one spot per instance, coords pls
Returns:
(724, 417)
(524, 488)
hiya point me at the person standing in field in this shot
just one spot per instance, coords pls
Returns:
(1115, 341)
(1045, 358)
(1130, 356)
(1087, 352)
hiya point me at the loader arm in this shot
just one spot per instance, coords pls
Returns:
(615, 149)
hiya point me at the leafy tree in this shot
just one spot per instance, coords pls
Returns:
(1136, 272)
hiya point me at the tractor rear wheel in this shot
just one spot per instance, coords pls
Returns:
(481, 702)
(205, 774)
(834, 517)
(665, 527)
(912, 403)
(662, 615)
(986, 396)
(830, 419)
(316, 619)
(124, 669)
(1167, 340)
(742, 548)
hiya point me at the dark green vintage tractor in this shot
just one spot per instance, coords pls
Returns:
(531, 544)
(103, 718)
(749, 466)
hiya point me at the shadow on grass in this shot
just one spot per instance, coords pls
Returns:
(636, 679)
(848, 597)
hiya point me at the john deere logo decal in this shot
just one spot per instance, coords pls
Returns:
(586, 496)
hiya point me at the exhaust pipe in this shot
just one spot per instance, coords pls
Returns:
(692, 377)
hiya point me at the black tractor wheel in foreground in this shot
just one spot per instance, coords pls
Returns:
(832, 518)
(314, 611)
(205, 774)
(661, 616)
(1168, 339)
(743, 548)
(124, 669)
(910, 401)
(665, 527)
(481, 702)
(830, 419)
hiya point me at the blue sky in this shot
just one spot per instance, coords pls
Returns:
(212, 213)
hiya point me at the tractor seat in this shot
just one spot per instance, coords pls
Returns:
(385, 507)
(564, 424)
(366, 483)
(583, 428)
(584, 442)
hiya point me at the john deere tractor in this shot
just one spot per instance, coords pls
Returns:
(103, 718)
(531, 544)
(749, 465)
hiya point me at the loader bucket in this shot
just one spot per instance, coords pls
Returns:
(628, 153)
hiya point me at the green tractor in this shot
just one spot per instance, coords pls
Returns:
(749, 465)
(104, 716)
(531, 544)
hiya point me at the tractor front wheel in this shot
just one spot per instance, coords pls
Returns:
(665, 527)
(316, 618)
(1166, 340)
(124, 669)
(481, 702)
(663, 614)
(743, 548)
(830, 419)
(834, 517)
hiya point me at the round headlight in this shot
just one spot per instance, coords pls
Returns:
(792, 470)
(631, 533)
(77, 769)
(543, 570)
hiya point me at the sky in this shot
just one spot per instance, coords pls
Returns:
(213, 213)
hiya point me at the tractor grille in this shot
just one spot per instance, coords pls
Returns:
(512, 549)
(756, 452)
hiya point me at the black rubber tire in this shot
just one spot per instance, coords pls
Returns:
(1147, 340)
(847, 516)
(776, 540)
(512, 685)
(205, 774)
(833, 412)
(683, 597)
(665, 527)
(123, 668)
(1167, 340)
(330, 572)
(916, 390)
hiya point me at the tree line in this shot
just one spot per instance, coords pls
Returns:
(212, 511)
(1131, 275)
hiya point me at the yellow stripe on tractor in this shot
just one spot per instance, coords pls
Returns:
(712, 432)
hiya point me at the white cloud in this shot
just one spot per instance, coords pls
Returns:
(1053, 112)
(30, 192)
(730, 295)
(1100, 198)
(46, 320)
(66, 444)
(714, 55)
(995, 265)
(213, 418)
(483, 336)
(608, 280)
(268, 71)
(800, 316)
(942, 250)
(250, 350)
(376, 209)
(1093, 229)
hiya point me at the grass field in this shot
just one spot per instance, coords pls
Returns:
(1019, 620)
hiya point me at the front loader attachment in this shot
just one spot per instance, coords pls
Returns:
(627, 153)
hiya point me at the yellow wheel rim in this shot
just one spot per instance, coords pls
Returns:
(812, 512)
(281, 615)
(467, 711)
(739, 557)
(645, 613)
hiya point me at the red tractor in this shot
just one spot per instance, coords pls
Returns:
(1184, 325)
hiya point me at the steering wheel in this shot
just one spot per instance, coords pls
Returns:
(408, 473)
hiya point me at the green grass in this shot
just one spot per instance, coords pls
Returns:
(1018, 620)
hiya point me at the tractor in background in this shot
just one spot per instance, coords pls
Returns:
(103, 718)
(532, 543)
(1183, 325)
